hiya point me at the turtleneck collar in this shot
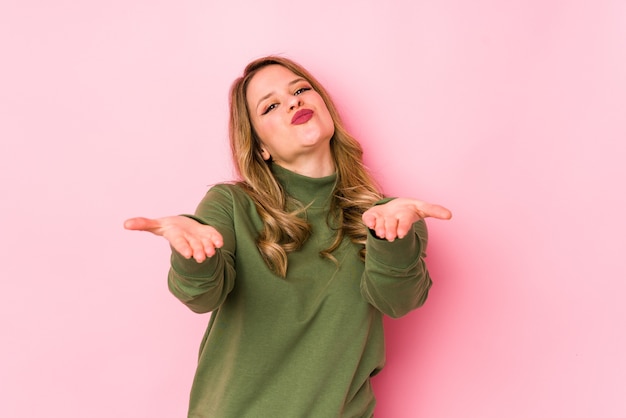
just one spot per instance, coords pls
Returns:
(305, 189)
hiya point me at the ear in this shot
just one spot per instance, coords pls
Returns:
(265, 155)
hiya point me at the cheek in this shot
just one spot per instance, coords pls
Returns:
(265, 129)
(326, 118)
(328, 122)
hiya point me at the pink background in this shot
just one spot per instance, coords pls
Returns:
(511, 113)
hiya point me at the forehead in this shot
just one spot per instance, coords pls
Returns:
(269, 79)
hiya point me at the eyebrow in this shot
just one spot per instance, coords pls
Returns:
(291, 83)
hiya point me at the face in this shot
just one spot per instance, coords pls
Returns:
(289, 117)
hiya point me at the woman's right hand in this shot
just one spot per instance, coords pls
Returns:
(185, 235)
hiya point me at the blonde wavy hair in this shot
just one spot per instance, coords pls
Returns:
(285, 229)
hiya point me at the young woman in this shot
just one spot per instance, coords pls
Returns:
(298, 261)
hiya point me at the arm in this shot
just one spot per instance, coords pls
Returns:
(203, 286)
(396, 279)
(202, 261)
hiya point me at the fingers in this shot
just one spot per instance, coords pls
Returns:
(199, 245)
(386, 227)
(203, 248)
(395, 219)
(181, 245)
(404, 226)
(199, 251)
(186, 236)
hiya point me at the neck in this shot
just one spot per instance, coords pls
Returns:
(310, 167)
(311, 192)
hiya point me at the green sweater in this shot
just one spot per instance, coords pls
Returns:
(305, 345)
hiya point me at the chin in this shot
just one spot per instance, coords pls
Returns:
(315, 140)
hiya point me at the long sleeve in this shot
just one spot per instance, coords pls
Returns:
(269, 335)
(203, 287)
(395, 279)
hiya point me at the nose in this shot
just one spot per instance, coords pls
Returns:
(294, 102)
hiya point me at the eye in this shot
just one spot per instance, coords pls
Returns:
(269, 108)
(301, 90)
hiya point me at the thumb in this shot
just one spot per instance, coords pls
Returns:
(141, 224)
(438, 212)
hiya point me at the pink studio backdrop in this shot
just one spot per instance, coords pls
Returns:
(509, 113)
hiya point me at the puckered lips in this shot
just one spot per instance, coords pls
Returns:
(302, 116)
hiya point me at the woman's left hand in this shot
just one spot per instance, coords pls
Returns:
(395, 218)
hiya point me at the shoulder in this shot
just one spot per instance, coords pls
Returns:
(223, 203)
(231, 191)
(225, 189)
(226, 195)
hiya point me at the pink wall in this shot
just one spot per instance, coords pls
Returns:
(510, 113)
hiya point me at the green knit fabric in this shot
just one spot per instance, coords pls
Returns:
(305, 345)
